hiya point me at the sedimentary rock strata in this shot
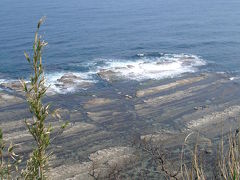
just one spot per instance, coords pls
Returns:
(219, 116)
(157, 89)
(103, 120)
(97, 102)
(108, 75)
(100, 165)
(77, 127)
(6, 99)
(13, 85)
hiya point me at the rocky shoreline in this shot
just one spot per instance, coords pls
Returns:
(105, 118)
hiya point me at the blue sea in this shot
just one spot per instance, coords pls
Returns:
(139, 39)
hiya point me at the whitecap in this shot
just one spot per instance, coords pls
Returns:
(144, 67)
(234, 78)
(141, 54)
(168, 65)
(67, 82)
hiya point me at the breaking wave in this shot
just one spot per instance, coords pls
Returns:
(67, 82)
(140, 67)
(154, 67)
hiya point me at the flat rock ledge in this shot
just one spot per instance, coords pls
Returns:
(102, 163)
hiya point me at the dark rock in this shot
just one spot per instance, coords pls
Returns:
(108, 75)
(69, 78)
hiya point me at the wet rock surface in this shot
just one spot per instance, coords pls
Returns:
(108, 75)
(68, 83)
(104, 120)
(69, 78)
(13, 85)
(8, 99)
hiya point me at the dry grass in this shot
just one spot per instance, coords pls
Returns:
(194, 163)
(229, 160)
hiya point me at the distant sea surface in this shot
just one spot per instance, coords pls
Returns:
(140, 39)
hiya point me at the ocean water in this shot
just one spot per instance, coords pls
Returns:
(136, 39)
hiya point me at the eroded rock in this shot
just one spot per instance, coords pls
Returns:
(68, 83)
(157, 137)
(157, 89)
(214, 117)
(77, 127)
(69, 78)
(102, 163)
(6, 99)
(98, 102)
(108, 75)
(13, 85)
(115, 157)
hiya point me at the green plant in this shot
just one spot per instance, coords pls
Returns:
(37, 165)
(8, 159)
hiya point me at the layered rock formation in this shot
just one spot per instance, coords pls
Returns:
(104, 119)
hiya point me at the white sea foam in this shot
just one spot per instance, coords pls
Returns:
(62, 82)
(234, 78)
(145, 67)
(71, 81)
(140, 55)
(168, 65)
(4, 81)
(1, 81)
